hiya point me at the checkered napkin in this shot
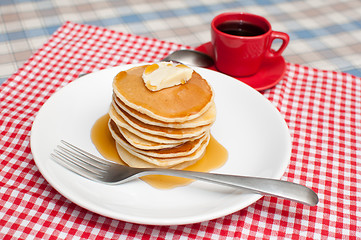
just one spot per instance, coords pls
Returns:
(321, 108)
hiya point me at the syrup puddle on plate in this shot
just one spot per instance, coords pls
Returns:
(214, 157)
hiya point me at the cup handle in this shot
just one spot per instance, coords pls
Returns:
(285, 39)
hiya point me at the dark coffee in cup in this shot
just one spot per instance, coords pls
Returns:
(241, 28)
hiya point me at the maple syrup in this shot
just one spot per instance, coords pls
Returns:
(214, 157)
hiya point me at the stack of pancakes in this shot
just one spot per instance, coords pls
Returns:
(169, 128)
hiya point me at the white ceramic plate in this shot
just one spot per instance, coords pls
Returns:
(248, 126)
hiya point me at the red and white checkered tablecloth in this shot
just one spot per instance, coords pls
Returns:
(321, 108)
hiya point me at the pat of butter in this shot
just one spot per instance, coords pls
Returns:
(166, 74)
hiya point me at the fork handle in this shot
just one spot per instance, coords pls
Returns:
(264, 186)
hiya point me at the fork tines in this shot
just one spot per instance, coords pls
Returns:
(79, 161)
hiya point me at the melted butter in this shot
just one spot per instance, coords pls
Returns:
(165, 75)
(181, 66)
(214, 157)
(151, 68)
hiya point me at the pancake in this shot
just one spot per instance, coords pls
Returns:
(183, 149)
(170, 161)
(150, 137)
(176, 133)
(175, 104)
(166, 128)
(136, 162)
(142, 143)
(205, 119)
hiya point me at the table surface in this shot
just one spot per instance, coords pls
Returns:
(324, 34)
(322, 109)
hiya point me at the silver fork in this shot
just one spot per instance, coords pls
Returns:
(101, 170)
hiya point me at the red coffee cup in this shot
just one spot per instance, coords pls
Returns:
(241, 41)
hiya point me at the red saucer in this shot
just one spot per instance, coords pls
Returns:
(269, 74)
